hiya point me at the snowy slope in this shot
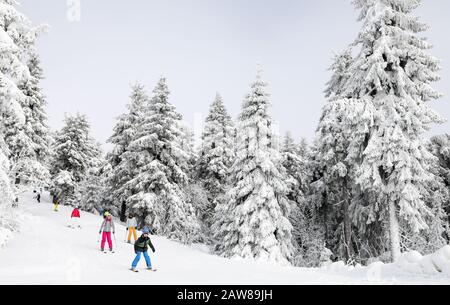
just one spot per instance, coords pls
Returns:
(46, 251)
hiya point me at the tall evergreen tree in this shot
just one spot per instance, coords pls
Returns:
(332, 163)
(257, 225)
(296, 169)
(125, 131)
(187, 144)
(32, 147)
(75, 152)
(392, 77)
(18, 37)
(216, 158)
(158, 196)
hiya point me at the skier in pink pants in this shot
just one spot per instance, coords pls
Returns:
(107, 227)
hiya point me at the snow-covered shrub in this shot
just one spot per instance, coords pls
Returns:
(309, 239)
(198, 197)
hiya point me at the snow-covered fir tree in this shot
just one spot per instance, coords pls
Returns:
(217, 149)
(307, 234)
(438, 195)
(18, 37)
(391, 78)
(32, 154)
(187, 144)
(75, 152)
(215, 160)
(296, 169)
(332, 166)
(158, 197)
(257, 225)
(125, 130)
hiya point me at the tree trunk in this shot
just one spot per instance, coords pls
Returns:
(347, 227)
(123, 211)
(394, 232)
(325, 216)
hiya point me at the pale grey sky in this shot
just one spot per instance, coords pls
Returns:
(204, 46)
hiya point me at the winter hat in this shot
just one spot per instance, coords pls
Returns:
(145, 230)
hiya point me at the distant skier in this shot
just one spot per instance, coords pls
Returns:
(55, 203)
(106, 228)
(131, 227)
(75, 218)
(141, 247)
(37, 197)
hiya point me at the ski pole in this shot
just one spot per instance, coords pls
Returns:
(98, 239)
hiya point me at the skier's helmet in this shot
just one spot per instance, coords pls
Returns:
(145, 230)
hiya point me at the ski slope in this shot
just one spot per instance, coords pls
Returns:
(47, 251)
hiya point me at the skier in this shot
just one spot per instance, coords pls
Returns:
(38, 197)
(75, 218)
(141, 247)
(131, 227)
(55, 203)
(107, 226)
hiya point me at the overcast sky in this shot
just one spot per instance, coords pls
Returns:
(204, 46)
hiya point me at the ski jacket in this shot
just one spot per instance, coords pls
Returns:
(107, 225)
(141, 245)
(75, 213)
(131, 223)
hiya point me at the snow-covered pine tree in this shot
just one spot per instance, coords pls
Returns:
(257, 225)
(308, 242)
(158, 196)
(303, 149)
(296, 169)
(217, 149)
(125, 130)
(18, 37)
(331, 163)
(187, 144)
(437, 198)
(33, 155)
(75, 152)
(392, 75)
(215, 160)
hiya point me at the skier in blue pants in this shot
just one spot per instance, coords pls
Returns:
(141, 247)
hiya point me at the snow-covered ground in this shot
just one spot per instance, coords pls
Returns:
(47, 251)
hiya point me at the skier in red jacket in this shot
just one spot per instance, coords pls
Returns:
(75, 218)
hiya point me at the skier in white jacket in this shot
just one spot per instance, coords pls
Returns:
(131, 227)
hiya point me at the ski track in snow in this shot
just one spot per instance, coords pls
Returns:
(47, 251)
